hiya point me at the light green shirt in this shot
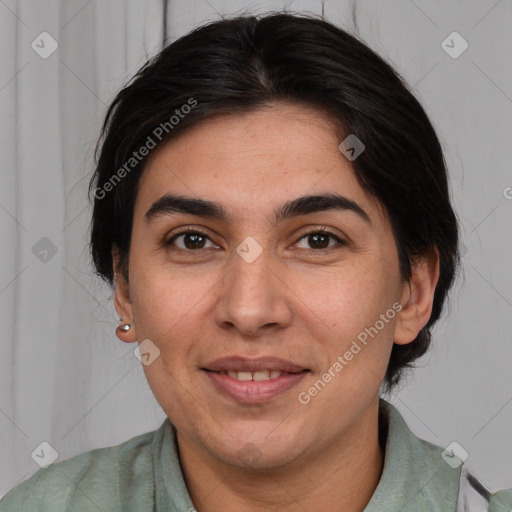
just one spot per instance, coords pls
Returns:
(144, 474)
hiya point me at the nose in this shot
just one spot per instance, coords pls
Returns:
(253, 296)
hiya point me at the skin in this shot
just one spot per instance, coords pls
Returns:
(288, 303)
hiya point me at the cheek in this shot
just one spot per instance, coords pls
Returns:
(170, 308)
(347, 297)
(356, 319)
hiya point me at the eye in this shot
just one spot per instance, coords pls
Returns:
(319, 239)
(193, 239)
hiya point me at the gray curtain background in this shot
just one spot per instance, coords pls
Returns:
(65, 379)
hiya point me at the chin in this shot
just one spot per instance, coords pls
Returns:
(260, 455)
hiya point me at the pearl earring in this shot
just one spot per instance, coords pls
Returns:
(123, 328)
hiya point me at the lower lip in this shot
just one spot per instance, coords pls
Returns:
(254, 391)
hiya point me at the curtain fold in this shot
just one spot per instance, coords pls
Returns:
(65, 378)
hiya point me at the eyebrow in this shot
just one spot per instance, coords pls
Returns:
(305, 205)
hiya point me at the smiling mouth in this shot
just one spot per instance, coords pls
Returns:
(254, 380)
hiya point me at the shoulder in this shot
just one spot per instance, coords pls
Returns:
(87, 481)
(438, 478)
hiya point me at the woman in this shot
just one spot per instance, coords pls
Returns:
(271, 205)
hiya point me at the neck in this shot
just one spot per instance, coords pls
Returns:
(343, 476)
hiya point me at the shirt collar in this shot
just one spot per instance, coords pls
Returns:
(414, 476)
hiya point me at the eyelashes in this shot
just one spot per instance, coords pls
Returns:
(192, 232)
(321, 231)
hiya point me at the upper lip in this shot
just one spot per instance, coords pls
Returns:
(244, 364)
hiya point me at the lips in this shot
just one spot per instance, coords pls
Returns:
(260, 364)
(253, 380)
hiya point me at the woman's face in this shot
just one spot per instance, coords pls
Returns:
(301, 287)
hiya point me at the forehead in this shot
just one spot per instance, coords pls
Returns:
(254, 161)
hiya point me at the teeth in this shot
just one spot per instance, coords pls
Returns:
(261, 375)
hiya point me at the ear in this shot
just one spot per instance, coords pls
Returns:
(417, 298)
(122, 301)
